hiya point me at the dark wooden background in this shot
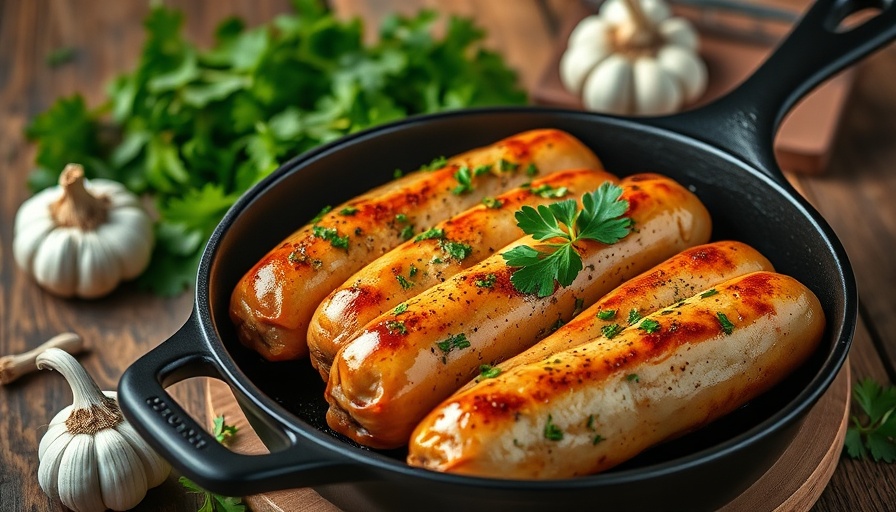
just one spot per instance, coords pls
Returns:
(855, 193)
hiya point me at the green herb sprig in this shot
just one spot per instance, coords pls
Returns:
(193, 128)
(874, 433)
(600, 219)
(215, 502)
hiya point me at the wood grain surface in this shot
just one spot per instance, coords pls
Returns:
(854, 193)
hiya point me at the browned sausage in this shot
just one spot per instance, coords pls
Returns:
(587, 409)
(401, 365)
(423, 262)
(272, 304)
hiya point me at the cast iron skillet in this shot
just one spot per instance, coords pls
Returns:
(723, 152)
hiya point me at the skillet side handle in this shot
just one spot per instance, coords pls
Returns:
(745, 121)
(177, 437)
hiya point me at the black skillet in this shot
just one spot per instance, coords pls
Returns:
(722, 151)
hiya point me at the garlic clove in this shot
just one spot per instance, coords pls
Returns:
(157, 468)
(29, 239)
(129, 235)
(53, 432)
(687, 68)
(97, 272)
(50, 456)
(55, 263)
(78, 478)
(609, 88)
(122, 478)
(590, 28)
(656, 91)
(577, 63)
(679, 32)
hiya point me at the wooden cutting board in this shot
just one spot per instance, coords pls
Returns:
(794, 483)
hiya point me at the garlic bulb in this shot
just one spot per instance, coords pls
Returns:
(81, 239)
(91, 459)
(633, 57)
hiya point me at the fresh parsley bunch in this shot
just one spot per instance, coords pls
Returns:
(601, 218)
(874, 434)
(195, 128)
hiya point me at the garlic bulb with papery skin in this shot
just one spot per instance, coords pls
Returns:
(82, 238)
(634, 58)
(91, 459)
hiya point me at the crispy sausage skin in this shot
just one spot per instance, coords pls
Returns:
(681, 276)
(421, 263)
(592, 407)
(272, 305)
(403, 364)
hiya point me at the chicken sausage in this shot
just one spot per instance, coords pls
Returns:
(272, 305)
(431, 258)
(406, 361)
(587, 409)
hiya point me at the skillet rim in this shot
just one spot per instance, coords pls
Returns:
(296, 430)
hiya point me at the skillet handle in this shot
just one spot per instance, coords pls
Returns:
(744, 121)
(177, 437)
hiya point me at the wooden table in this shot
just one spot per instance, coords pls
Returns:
(855, 194)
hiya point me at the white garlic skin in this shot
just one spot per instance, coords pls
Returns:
(69, 261)
(110, 469)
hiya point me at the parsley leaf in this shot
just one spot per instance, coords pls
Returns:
(875, 432)
(606, 314)
(727, 326)
(429, 234)
(214, 502)
(222, 431)
(600, 219)
(649, 325)
(464, 181)
(487, 371)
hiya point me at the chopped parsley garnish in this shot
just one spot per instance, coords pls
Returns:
(348, 211)
(437, 260)
(401, 218)
(397, 173)
(452, 342)
(413, 270)
(464, 181)
(487, 282)
(548, 192)
(429, 234)
(531, 169)
(558, 324)
(552, 431)
(507, 166)
(633, 317)
(727, 326)
(597, 439)
(436, 163)
(633, 377)
(396, 327)
(580, 305)
(320, 215)
(606, 314)
(487, 371)
(331, 235)
(479, 170)
(600, 219)
(590, 422)
(491, 202)
(405, 284)
(399, 309)
(649, 326)
(610, 331)
(407, 232)
(455, 250)
(708, 293)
